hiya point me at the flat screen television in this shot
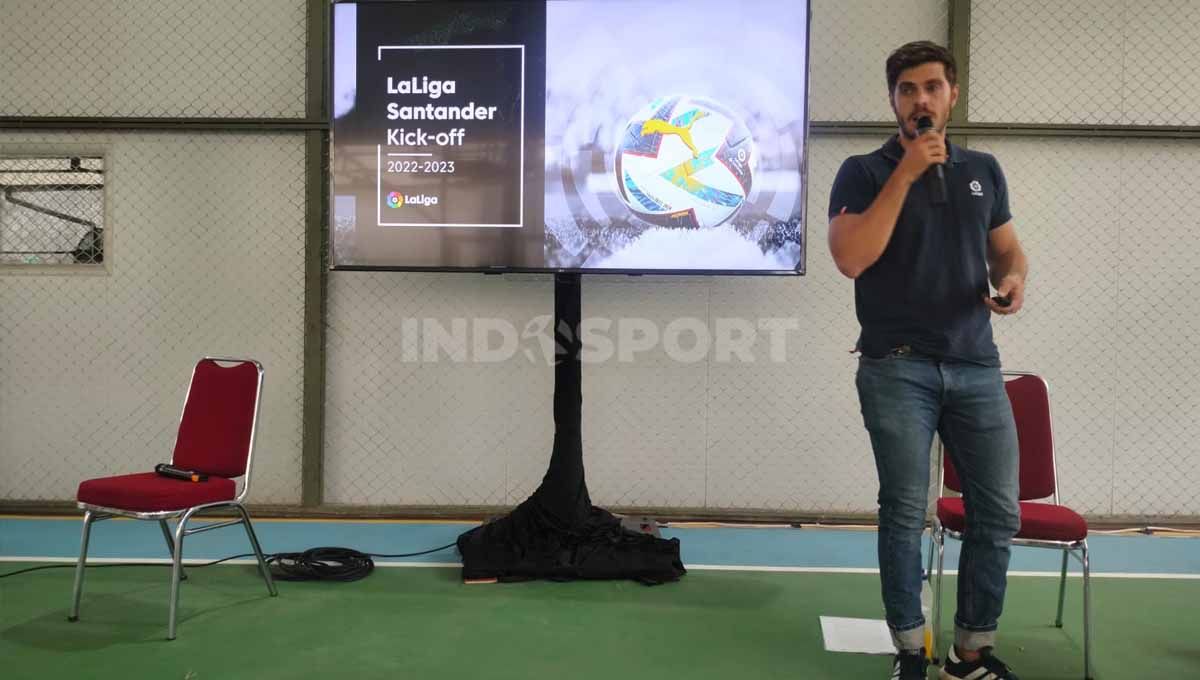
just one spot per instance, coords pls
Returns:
(620, 136)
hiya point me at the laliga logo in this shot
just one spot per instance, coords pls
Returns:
(397, 200)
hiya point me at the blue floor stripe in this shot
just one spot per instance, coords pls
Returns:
(133, 539)
(729, 546)
(856, 549)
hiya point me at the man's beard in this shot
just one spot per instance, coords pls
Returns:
(903, 128)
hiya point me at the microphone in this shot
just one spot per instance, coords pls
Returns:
(925, 124)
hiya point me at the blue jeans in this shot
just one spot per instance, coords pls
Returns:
(905, 398)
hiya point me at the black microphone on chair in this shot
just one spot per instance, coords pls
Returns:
(179, 473)
(925, 124)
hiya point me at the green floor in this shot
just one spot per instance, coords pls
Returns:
(424, 623)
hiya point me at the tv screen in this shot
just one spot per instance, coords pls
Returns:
(582, 136)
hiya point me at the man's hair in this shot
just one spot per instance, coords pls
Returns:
(916, 53)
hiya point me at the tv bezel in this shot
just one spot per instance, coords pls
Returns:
(800, 269)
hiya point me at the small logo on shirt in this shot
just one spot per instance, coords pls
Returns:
(976, 188)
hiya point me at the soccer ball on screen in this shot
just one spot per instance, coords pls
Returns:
(684, 162)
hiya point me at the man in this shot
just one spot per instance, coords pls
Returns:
(921, 247)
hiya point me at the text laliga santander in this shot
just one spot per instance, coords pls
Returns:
(434, 89)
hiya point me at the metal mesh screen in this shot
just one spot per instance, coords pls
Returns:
(1156, 469)
(443, 431)
(52, 210)
(658, 432)
(201, 239)
(1085, 62)
(1110, 237)
(849, 43)
(1162, 64)
(1101, 324)
(789, 436)
(1069, 237)
(153, 58)
(207, 258)
(645, 420)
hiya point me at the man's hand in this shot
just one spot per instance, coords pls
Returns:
(922, 152)
(1011, 287)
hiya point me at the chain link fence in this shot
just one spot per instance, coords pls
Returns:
(200, 234)
(1106, 314)
(849, 42)
(759, 435)
(206, 258)
(1085, 62)
(153, 58)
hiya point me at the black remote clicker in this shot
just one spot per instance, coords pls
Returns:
(1001, 300)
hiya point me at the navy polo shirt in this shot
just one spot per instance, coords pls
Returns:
(926, 289)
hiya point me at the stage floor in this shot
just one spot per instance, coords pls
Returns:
(748, 608)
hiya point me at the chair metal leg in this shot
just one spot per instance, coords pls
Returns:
(166, 532)
(88, 517)
(176, 570)
(1087, 614)
(940, 539)
(1062, 588)
(262, 562)
(929, 562)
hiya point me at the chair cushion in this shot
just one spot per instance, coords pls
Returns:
(1039, 521)
(150, 492)
(218, 419)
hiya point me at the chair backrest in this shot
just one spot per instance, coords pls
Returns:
(1030, 399)
(220, 415)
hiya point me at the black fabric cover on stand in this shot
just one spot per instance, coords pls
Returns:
(557, 533)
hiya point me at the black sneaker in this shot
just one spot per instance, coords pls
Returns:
(988, 667)
(909, 666)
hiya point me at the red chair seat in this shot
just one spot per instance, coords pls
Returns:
(150, 492)
(1039, 521)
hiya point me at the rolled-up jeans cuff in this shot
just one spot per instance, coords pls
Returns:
(909, 639)
(971, 640)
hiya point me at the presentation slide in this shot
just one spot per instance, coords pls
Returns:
(589, 135)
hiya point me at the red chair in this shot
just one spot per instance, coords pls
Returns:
(1043, 524)
(216, 437)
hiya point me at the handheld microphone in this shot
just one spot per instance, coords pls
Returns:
(925, 124)
(179, 473)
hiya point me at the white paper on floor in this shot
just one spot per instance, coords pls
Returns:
(864, 636)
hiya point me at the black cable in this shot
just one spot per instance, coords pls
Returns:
(314, 564)
(330, 564)
(90, 566)
(423, 552)
(321, 564)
